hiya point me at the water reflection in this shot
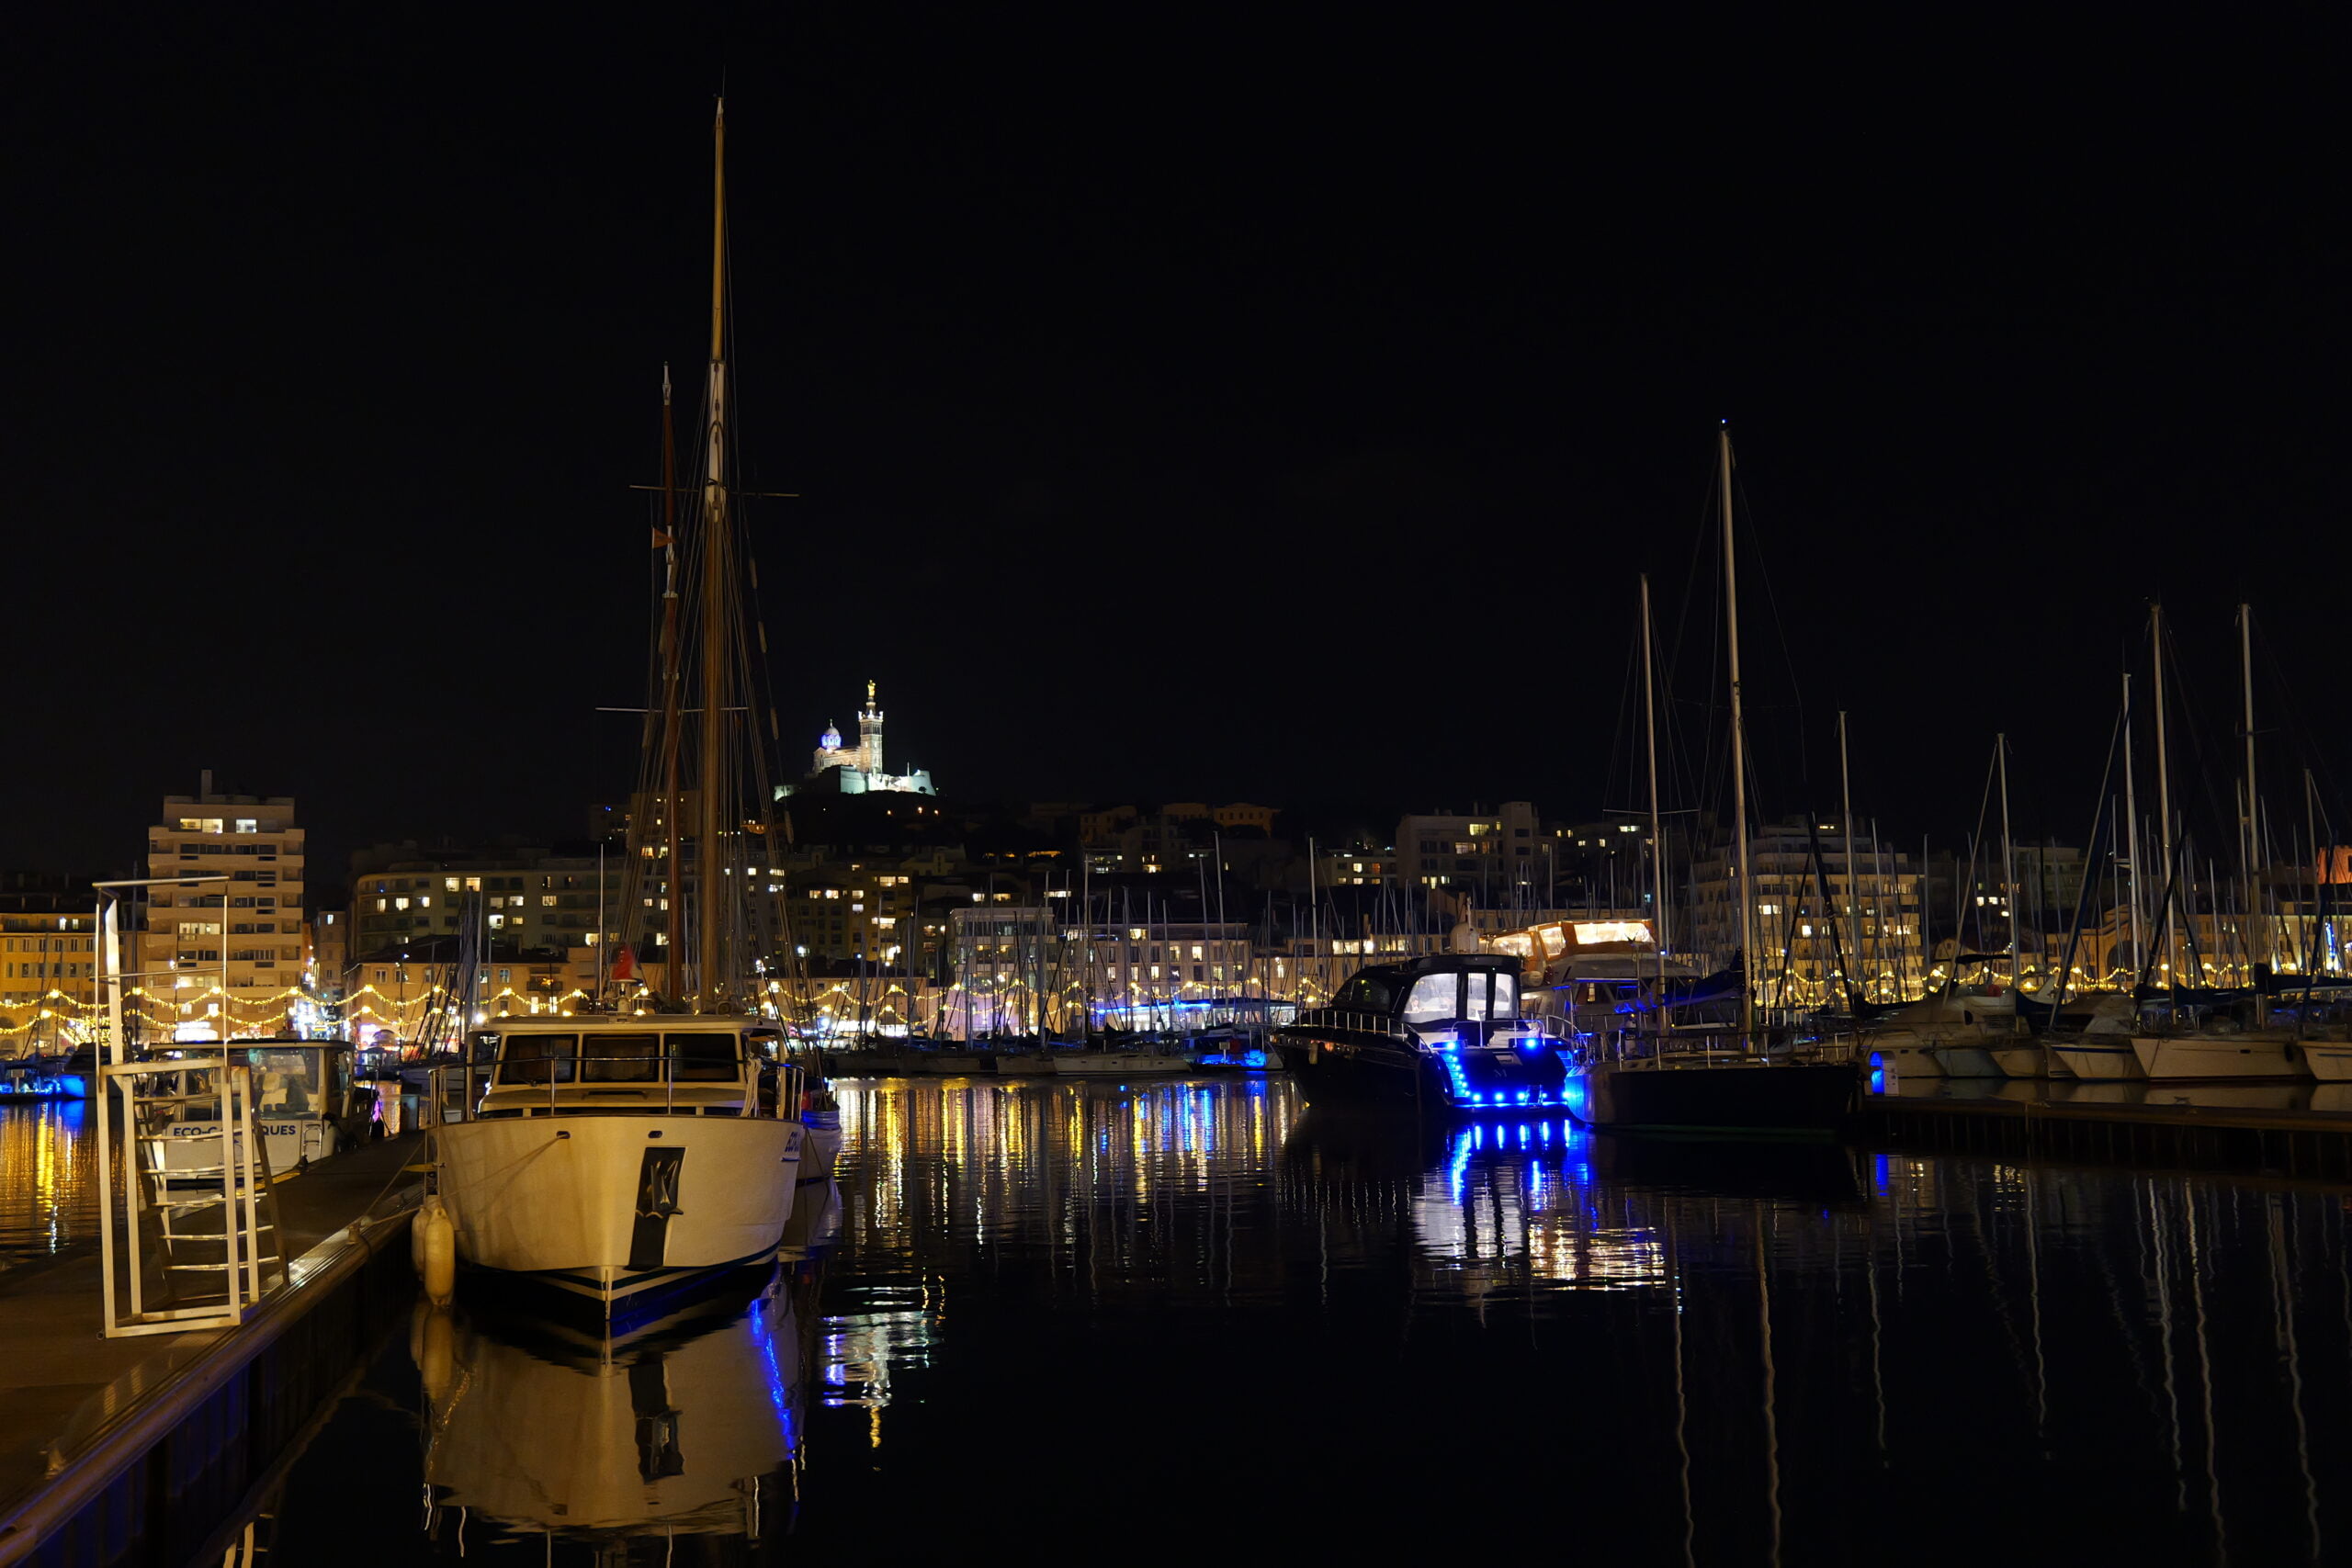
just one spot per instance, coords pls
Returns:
(537, 1433)
(48, 1191)
(1697, 1352)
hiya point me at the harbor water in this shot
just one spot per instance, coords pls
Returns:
(1181, 1320)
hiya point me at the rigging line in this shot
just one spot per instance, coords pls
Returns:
(2299, 726)
(1779, 628)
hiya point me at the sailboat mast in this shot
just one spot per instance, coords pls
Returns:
(673, 891)
(2164, 803)
(1738, 755)
(2132, 832)
(2249, 829)
(2009, 865)
(1657, 838)
(1853, 899)
(709, 872)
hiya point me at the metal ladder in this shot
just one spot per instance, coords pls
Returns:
(204, 1241)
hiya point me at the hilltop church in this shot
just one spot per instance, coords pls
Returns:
(857, 770)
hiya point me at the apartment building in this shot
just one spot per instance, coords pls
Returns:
(223, 955)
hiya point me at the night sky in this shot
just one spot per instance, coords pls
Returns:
(1266, 403)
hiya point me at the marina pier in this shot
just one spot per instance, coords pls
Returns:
(119, 1451)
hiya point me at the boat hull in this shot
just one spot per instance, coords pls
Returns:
(2229, 1057)
(614, 1208)
(2328, 1061)
(1969, 1062)
(1909, 1058)
(2103, 1061)
(1117, 1064)
(1806, 1098)
(2022, 1062)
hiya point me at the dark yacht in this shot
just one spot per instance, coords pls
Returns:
(1444, 1031)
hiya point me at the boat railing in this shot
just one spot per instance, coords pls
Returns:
(475, 1091)
(1346, 1021)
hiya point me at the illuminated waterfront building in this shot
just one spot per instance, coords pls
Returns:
(48, 962)
(1802, 938)
(230, 953)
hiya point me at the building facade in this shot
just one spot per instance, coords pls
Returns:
(1805, 941)
(224, 958)
(48, 984)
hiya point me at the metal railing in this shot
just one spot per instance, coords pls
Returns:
(460, 1094)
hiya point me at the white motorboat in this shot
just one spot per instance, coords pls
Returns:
(618, 1159)
(2253, 1053)
(305, 1105)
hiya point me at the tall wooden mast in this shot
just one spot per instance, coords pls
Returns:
(673, 887)
(717, 538)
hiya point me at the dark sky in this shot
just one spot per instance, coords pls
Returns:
(1273, 403)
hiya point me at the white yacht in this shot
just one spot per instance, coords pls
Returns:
(619, 1159)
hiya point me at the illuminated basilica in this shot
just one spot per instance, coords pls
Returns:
(857, 770)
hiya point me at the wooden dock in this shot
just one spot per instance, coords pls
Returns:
(130, 1450)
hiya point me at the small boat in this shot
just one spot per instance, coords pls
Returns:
(305, 1105)
(63, 1076)
(1444, 1032)
(614, 1159)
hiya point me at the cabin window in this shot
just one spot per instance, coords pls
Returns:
(538, 1058)
(703, 1059)
(1364, 994)
(285, 1083)
(1432, 999)
(1504, 997)
(621, 1058)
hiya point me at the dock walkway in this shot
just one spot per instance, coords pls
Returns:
(79, 1412)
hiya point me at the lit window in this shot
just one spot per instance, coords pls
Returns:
(450, 884)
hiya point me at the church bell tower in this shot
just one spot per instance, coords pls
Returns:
(869, 733)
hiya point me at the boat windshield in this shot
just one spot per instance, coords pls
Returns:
(1501, 1002)
(288, 1083)
(597, 1057)
(1480, 994)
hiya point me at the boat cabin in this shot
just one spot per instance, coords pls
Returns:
(305, 1103)
(1445, 1030)
(1431, 996)
(698, 1065)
